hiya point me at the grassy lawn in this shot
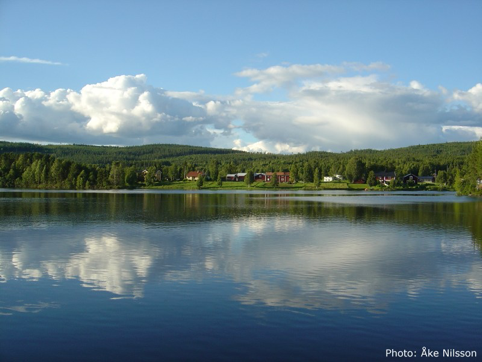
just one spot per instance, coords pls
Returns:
(232, 185)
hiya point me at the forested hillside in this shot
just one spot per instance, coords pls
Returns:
(84, 166)
(103, 155)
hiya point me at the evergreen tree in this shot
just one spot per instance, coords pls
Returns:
(316, 179)
(131, 177)
(150, 176)
(116, 175)
(81, 180)
(294, 172)
(354, 169)
(101, 180)
(200, 182)
(249, 178)
(424, 170)
(474, 162)
(274, 180)
(371, 179)
(173, 172)
(74, 172)
(28, 179)
(322, 171)
(470, 182)
(441, 177)
(308, 173)
(214, 169)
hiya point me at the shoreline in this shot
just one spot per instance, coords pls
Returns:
(257, 186)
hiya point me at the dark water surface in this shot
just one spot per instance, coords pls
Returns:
(238, 276)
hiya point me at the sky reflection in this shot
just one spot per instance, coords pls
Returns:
(348, 258)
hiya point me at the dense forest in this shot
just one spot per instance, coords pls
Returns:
(28, 165)
(103, 155)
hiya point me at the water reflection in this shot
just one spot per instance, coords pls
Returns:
(103, 262)
(281, 251)
(26, 308)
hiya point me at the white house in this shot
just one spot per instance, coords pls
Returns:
(332, 178)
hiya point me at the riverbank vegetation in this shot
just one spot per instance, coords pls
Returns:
(468, 180)
(23, 165)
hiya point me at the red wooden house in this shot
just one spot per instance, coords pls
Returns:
(259, 177)
(384, 177)
(282, 176)
(236, 176)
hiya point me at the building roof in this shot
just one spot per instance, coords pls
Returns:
(385, 174)
(278, 173)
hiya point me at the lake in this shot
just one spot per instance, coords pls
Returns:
(238, 276)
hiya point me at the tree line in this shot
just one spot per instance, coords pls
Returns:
(24, 165)
(34, 170)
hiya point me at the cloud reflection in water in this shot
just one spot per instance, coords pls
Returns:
(281, 260)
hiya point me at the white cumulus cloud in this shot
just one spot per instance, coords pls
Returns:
(353, 106)
(121, 110)
(473, 96)
(323, 107)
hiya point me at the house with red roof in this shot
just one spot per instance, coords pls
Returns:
(193, 175)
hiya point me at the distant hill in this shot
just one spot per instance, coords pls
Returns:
(425, 151)
(437, 156)
(102, 155)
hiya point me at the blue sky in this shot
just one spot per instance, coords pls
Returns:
(277, 76)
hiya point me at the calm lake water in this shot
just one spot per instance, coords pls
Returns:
(238, 276)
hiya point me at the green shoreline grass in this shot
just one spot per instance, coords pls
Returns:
(232, 185)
